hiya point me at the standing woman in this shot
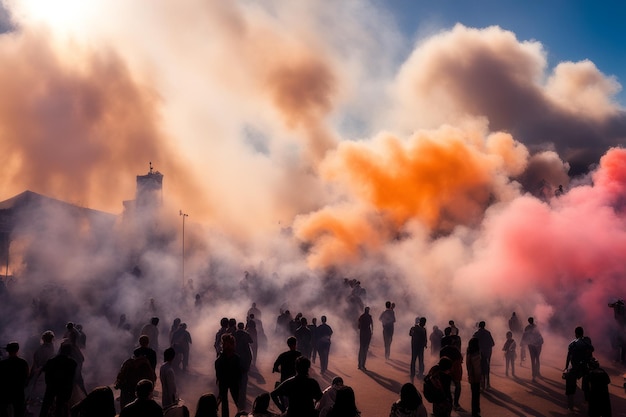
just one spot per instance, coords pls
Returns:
(474, 375)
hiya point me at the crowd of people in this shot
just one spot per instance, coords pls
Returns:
(237, 345)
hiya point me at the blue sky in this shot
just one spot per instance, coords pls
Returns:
(569, 30)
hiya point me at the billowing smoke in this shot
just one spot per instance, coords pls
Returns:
(306, 156)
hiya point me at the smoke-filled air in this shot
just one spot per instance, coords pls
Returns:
(306, 149)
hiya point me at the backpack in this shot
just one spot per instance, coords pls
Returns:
(433, 391)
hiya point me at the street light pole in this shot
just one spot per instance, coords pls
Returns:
(183, 215)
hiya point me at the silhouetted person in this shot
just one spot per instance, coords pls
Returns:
(81, 340)
(515, 326)
(71, 338)
(181, 341)
(509, 353)
(13, 379)
(132, 371)
(418, 344)
(301, 391)
(286, 361)
(450, 339)
(328, 396)
(454, 331)
(313, 329)
(44, 352)
(254, 310)
(579, 353)
(207, 406)
(533, 339)
(252, 331)
(169, 392)
(152, 331)
(98, 403)
(474, 373)
(324, 333)
(410, 403)
(435, 341)
(59, 375)
(303, 335)
(243, 342)
(443, 407)
(597, 390)
(228, 373)
(144, 349)
(486, 348)
(345, 404)
(144, 405)
(260, 406)
(387, 318)
(456, 372)
(218, 336)
(175, 326)
(366, 329)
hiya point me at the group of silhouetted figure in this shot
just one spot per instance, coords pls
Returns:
(296, 394)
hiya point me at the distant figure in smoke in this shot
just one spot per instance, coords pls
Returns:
(13, 380)
(132, 371)
(410, 403)
(533, 339)
(314, 339)
(450, 339)
(144, 405)
(328, 396)
(474, 373)
(167, 376)
(99, 402)
(559, 191)
(453, 352)
(515, 326)
(198, 303)
(295, 324)
(181, 341)
(228, 373)
(435, 341)
(454, 331)
(152, 331)
(71, 339)
(579, 354)
(60, 372)
(122, 321)
(145, 350)
(418, 344)
(254, 310)
(597, 390)
(44, 352)
(324, 333)
(282, 323)
(218, 336)
(243, 343)
(250, 328)
(81, 340)
(387, 318)
(303, 335)
(286, 361)
(366, 329)
(509, 353)
(301, 391)
(486, 348)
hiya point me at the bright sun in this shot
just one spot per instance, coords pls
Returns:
(64, 15)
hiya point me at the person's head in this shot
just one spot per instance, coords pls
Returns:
(447, 331)
(144, 340)
(451, 323)
(337, 382)
(261, 403)
(422, 321)
(345, 402)
(224, 322)
(435, 328)
(445, 364)
(169, 354)
(579, 332)
(144, 389)
(253, 305)
(175, 323)
(292, 342)
(531, 320)
(410, 397)
(207, 406)
(388, 304)
(473, 346)
(513, 315)
(47, 336)
(481, 325)
(99, 402)
(232, 322)
(240, 325)
(323, 319)
(154, 321)
(12, 348)
(367, 310)
(509, 335)
(183, 326)
(79, 327)
(302, 365)
(303, 321)
(314, 320)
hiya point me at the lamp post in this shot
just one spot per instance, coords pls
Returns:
(183, 215)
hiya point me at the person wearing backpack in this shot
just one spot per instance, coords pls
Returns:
(474, 373)
(437, 387)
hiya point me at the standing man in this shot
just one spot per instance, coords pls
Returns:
(243, 341)
(388, 318)
(533, 339)
(286, 361)
(301, 391)
(486, 343)
(168, 379)
(60, 371)
(418, 344)
(13, 378)
(152, 331)
(324, 332)
(579, 354)
(366, 328)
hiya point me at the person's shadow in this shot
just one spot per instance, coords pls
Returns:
(387, 383)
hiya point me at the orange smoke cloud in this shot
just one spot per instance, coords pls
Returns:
(440, 178)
